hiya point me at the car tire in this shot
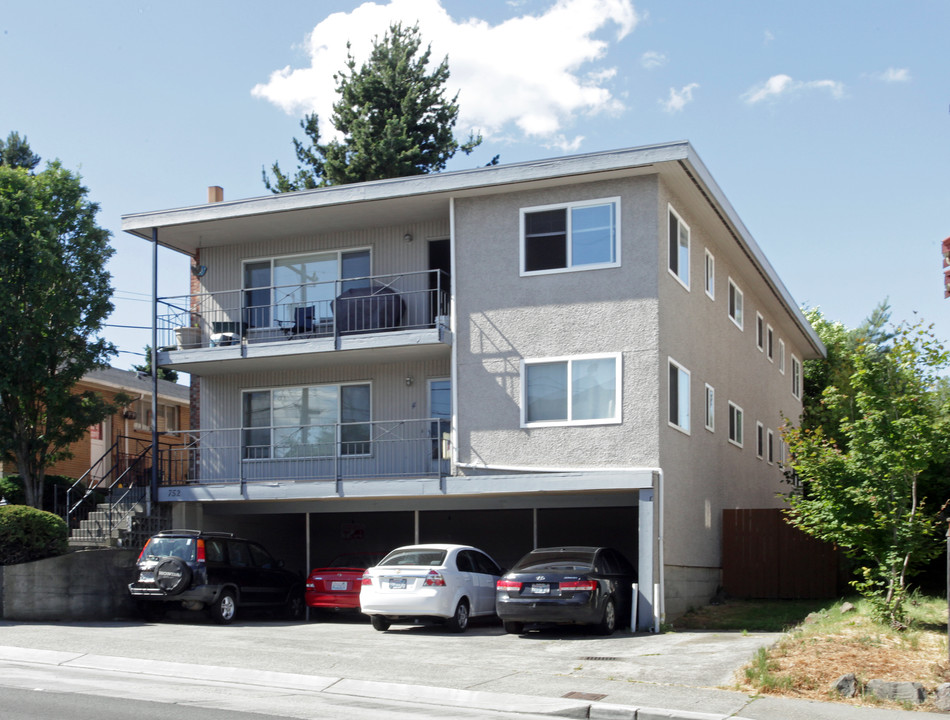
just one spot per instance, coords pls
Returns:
(380, 622)
(512, 627)
(458, 623)
(294, 607)
(608, 623)
(224, 608)
(172, 575)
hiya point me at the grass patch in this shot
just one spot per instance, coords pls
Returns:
(750, 616)
(826, 643)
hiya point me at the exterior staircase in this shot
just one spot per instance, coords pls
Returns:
(123, 524)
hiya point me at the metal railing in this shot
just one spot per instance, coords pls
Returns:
(378, 303)
(336, 451)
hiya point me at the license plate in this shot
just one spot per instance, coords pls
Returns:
(147, 576)
(540, 589)
(397, 583)
(338, 585)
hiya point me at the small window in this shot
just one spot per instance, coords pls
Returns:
(735, 304)
(710, 408)
(679, 248)
(710, 279)
(769, 343)
(759, 332)
(759, 440)
(679, 396)
(735, 424)
(575, 236)
(568, 391)
(770, 446)
(796, 378)
(781, 356)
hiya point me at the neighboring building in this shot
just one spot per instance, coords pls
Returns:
(125, 433)
(582, 350)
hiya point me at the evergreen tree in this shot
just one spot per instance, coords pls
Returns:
(394, 117)
(16, 152)
(146, 367)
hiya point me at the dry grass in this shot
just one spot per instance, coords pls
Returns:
(811, 657)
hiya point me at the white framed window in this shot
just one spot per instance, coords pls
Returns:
(710, 408)
(735, 424)
(275, 288)
(759, 440)
(570, 236)
(759, 331)
(710, 275)
(770, 446)
(796, 378)
(167, 416)
(581, 390)
(781, 356)
(305, 422)
(679, 248)
(769, 343)
(735, 304)
(679, 396)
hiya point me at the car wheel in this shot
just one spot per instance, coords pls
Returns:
(515, 628)
(380, 622)
(224, 608)
(294, 607)
(172, 575)
(458, 623)
(608, 623)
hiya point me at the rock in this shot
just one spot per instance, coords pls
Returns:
(942, 697)
(846, 686)
(900, 691)
(846, 608)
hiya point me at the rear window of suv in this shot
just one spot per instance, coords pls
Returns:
(183, 548)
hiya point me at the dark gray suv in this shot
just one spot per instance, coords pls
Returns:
(212, 571)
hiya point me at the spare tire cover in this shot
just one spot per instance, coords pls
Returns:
(172, 575)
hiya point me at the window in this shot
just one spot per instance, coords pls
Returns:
(735, 424)
(679, 396)
(315, 421)
(769, 342)
(710, 275)
(679, 248)
(576, 236)
(571, 391)
(759, 440)
(759, 332)
(781, 356)
(770, 446)
(796, 378)
(275, 288)
(167, 416)
(735, 304)
(710, 408)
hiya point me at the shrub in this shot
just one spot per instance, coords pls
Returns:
(11, 489)
(29, 534)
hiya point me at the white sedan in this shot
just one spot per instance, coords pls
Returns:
(418, 583)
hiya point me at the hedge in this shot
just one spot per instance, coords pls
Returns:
(28, 534)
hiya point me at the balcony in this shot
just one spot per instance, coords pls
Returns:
(314, 454)
(286, 326)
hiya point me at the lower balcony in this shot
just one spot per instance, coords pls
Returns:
(305, 461)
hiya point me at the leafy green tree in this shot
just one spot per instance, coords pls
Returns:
(394, 117)
(146, 367)
(54, 296)
(868, 497)
(16, 152)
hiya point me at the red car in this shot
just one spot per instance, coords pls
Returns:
(337, 586)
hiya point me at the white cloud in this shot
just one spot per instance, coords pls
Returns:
(783, 85)
(679, 98)
(767, 37)
(895, 75)
(530, 75)
(652, 59)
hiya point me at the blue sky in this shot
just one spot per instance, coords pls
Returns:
(825, 124)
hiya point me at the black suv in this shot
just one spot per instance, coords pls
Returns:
(215, 571)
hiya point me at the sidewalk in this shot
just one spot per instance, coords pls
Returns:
(673, 675)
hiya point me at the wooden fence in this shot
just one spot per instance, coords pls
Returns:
(765, 557)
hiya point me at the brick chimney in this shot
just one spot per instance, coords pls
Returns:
(215, 194)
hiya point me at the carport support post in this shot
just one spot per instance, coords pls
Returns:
(153, 483)
(645, 570)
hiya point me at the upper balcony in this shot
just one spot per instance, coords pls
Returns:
(404, 315)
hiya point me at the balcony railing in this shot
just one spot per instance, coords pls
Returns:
(337, 451)
(307, 310)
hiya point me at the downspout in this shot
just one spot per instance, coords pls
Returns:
(453, 325)
(153, 489)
